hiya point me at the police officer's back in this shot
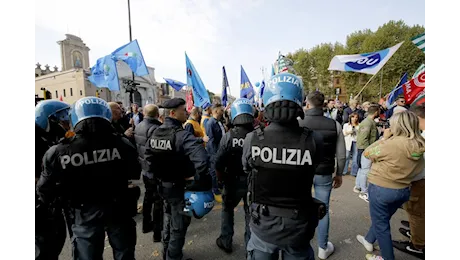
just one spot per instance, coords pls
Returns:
(281, 161)
(229, 171)
(93, 169)
(142, 133)
(51, 120)
(178, 161)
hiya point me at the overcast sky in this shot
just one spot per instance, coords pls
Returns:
(214, 33)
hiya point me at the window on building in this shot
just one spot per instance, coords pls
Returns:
(71, 92)
(81, 93)
(57, 94)
(63, 91)
(337, 81)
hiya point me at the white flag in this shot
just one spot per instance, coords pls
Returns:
(368, 63)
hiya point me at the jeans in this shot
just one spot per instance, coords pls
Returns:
(323, 188)
(261, 250)
(383, 203)
(361, 178)
(354, 158)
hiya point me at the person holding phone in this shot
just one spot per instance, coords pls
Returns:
(350, 131)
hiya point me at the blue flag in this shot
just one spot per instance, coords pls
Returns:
(224, 87)
(132, 55)
(246, 89)
(104, 74)
(177, 85)
(261, 93)
(398, 90)
(200, 94)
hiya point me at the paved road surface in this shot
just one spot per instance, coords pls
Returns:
(349, 217)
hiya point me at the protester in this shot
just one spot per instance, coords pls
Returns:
(136, 116)
(353, 107)
(350, 131)
(193, 126)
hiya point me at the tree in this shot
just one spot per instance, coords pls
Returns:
(312, 64)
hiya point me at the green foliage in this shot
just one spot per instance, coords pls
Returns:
(312, 64)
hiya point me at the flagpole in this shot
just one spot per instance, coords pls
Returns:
(381, 78)
(357, 95)
(132, 87)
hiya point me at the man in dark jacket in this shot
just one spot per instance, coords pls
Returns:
(334, 146)
(215, 130)
(353, 107)
(142, 133)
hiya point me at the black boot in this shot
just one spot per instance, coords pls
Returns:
(147, 226)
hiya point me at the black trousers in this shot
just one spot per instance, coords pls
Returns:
(152, 200)
(50, 234)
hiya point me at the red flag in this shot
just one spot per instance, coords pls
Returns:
(414, 88)
(61, 98)
(189, 100)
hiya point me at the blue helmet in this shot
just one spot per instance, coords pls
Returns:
(50, 108)
(283, 86)
(198, 203)
(241, 106)
(90, 107)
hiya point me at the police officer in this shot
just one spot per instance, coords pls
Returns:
(230, 174)
(51, 123)
(178, 161)
(281, 162)
(143, 132)
(93, 169)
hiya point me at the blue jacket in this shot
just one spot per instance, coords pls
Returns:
(214, 132)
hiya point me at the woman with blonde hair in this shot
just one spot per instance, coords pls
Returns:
(396, 159)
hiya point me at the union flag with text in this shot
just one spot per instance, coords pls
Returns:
(414, 88)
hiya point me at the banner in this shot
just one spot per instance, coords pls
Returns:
(398, 90)
(419, 70)
(246, 89)
(414, 88)
(104, 74)
(368, 63)
(177, 85)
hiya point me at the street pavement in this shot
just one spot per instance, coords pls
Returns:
(349, 217)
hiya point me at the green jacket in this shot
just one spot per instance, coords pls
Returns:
(367, 133)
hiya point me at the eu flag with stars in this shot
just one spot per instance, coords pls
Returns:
(132, 55)
(246, 89)
(224, 87)
(104, 74)
(177, 85)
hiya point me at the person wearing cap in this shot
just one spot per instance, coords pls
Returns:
(179, 163)
(90, 171)
(281, 162)
(230, 174)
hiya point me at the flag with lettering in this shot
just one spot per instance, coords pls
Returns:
(246, 89)
(104, 74)
(131, 54)
(200, 94)
(419, 41)
(368, 63)
(224, 87)
(414, 88)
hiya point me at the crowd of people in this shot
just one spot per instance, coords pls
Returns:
(89, 153)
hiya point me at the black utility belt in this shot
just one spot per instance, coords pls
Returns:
(317, 209)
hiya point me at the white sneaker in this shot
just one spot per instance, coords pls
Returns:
(356, 190)
(369, 247)
(325, 253)
(364, 197)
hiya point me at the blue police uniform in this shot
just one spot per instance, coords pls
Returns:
(50, 230)
(283, 213)
(174, 155)
(93, 169)
(230, 172)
